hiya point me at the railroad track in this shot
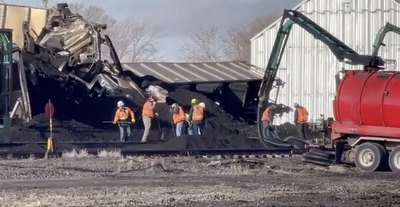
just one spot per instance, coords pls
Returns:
(195, 153)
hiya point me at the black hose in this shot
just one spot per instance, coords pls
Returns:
(267, 144)
(259, 124)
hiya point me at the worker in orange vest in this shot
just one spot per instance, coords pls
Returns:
(196, 117)
(178, 116)
(124, 116)
(147, 115)
(300, 119)
(267, 119)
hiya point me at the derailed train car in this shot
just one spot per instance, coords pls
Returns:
(58, 57)
(62, 62)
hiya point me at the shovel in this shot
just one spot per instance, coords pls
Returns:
(159, 128)
(172, 125)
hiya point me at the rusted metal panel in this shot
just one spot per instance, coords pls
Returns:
(209, 72)
(12, 16)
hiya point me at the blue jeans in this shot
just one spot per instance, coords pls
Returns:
(190, 130)
(198, 129)
(179, 129)
(124, 132)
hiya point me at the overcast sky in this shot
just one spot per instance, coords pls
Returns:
(181, 18)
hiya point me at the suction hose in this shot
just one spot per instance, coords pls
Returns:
(264, 141)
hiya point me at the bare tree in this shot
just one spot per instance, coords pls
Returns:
(93, 13)
(204, 46)
(43, 3)
(236, 43)
(133, 40)
(137, 41)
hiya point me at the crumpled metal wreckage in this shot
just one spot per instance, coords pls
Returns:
(69, 50)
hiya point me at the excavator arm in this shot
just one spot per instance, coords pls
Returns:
(381, 36)
(341, 51)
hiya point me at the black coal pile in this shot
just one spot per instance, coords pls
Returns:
(91, 121)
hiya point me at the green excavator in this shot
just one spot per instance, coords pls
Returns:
(5, 82)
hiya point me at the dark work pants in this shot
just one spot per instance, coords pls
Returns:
(302, 130)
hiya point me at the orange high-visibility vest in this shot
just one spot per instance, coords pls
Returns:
(124, 114)
(302, 115)
(147, 110)
(198, 113)
(180, 117)
(265, 114)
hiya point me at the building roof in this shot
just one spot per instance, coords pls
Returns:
(278, 20)
(205, 72)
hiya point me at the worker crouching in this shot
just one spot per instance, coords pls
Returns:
(178, 116)
(197, 116)
(147, 115)
(267, 120)
(300, 119)
(124, 116)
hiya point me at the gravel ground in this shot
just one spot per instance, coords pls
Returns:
(138, 181)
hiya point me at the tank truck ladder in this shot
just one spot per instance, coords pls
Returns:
(341, 51)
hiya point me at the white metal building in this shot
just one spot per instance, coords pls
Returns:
(308, 67)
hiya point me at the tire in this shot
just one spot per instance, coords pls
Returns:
(370, 157)
(385, 158)
(297, 143)
(394, 162)
(316, 161)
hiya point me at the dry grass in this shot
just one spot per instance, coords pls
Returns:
(110, 154)
(84, 154)
(74, 154)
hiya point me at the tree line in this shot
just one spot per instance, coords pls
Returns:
(137, 41)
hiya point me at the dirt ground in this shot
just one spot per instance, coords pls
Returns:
(78, 180)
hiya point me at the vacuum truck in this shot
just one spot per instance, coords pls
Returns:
(365, 128)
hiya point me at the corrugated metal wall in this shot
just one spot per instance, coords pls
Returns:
(308, 66)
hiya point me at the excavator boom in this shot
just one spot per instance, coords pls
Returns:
(341, 51)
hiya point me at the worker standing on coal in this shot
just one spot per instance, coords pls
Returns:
(124, 116)
(300, 119)
(178, 116)
(267, 120)
(196, 117)
(147, 115)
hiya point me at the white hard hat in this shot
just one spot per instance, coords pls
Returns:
(120, 103)
(202, 105)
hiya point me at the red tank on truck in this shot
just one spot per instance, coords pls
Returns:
(365, 128)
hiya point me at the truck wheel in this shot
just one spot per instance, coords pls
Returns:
(394, 159)
(369, 157)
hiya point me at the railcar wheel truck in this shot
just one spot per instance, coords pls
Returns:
(365, 128)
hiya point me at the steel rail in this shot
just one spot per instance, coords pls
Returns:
(197, 153)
